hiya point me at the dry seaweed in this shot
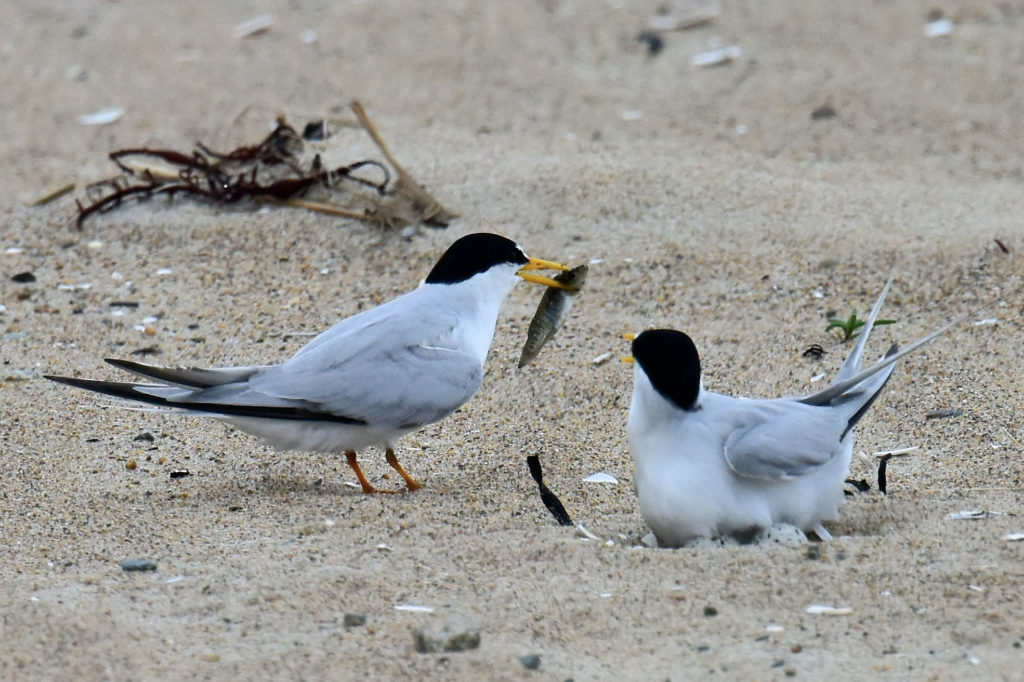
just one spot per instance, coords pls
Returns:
(272, 171)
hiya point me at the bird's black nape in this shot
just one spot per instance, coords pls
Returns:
(670, 360)
(473, 254)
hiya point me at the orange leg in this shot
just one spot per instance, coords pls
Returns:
(410, 482)
(350, 455)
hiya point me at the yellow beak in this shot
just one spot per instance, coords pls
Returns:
(538, 264)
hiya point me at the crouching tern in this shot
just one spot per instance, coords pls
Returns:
(708, 464)
(369, 379)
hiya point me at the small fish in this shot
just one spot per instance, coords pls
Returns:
(553, 308)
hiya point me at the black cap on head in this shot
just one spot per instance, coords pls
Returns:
(473, 254)
(670, 360)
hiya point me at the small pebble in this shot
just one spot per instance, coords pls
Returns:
(131, 465)
(354, 620)
(145, 436)
(710, 611)
(653, 41)
(138, 565)
(942, 414)
(23, 278)
(825, 111)
(530, 661)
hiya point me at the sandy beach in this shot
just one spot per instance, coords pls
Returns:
(742, 203)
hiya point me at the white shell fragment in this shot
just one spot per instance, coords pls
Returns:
(101, 117)
(683, 21)
(967, 514)
(1013, 537)
(986, 321)
(650, 540)
(260, 23)
(826, 610)
(602, 358)
(600, 477)
(898, 451)
(414, 608)
(721, 55)
(938, 28)
(582, 531)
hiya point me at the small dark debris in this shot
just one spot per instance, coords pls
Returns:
(24, 278)
(145, 437)
(235, 507)
(861, 485)
(942, 414)
(315, 131)
(124, 304)
(778, 663)
(883, 463)
(710, 611)
(148, 350)
(796, 648)
(814, 351)
(138, 565)
(530, 661)
(549, 499)
(814, 552)
(1002, 245)
(92, 440)
(823, 112)
(455, 634)
(180, 473)
(703, 647)
(653, 41)
(354, 620)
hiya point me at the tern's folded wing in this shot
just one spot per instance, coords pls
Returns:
(396, 365)
(783, 439)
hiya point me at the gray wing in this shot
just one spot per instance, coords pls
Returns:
(399, 370)
(782, 439)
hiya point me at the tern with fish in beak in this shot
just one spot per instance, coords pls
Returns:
(369, 379)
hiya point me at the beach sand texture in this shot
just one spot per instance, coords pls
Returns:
(705, 198)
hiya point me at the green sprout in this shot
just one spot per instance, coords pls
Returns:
(850, 325)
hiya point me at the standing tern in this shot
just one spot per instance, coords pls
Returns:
(370, 378)
(711, 465)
